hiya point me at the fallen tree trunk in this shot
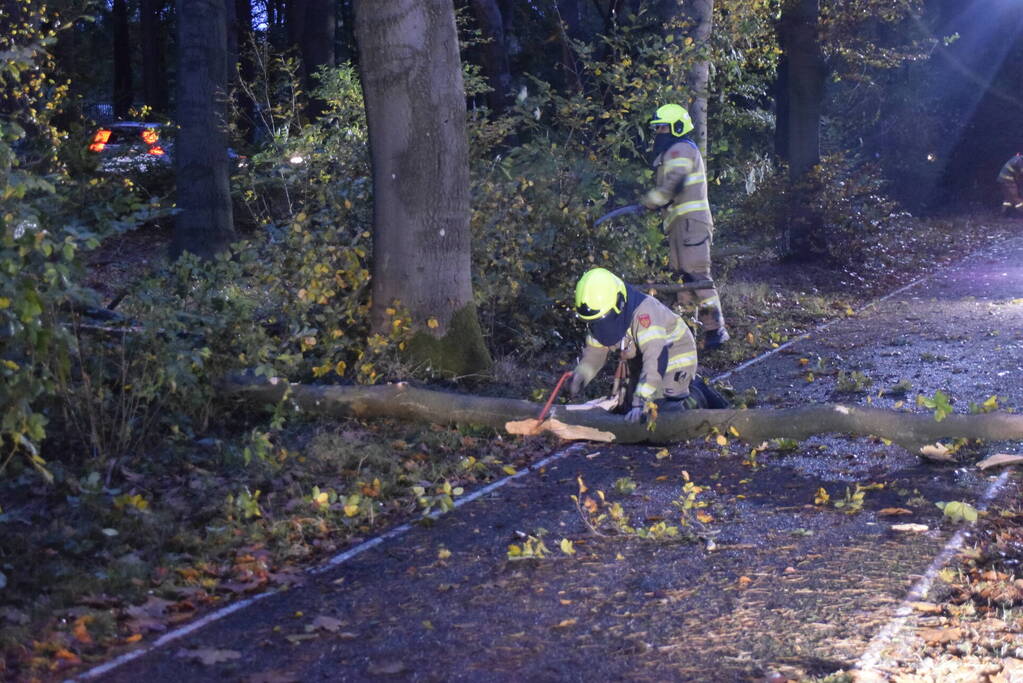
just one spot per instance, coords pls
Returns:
(909, 430)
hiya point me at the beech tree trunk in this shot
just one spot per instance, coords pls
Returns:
(204, 224)
(415, 108)
(909, 430)
(311, 26)
(701, 13)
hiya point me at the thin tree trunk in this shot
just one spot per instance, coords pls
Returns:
(123, 96)
(494, 53)
(701, 13)
(912, 431)
(243, 69)
(806, 72)
(154, 67)
(415, 107)
(204, 224)
(311, 25)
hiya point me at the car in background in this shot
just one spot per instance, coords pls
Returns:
(137, 147)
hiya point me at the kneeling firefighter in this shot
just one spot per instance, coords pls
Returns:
(656, 342)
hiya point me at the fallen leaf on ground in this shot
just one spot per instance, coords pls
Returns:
(926, 607)
(565, 623)
(916, 528)
(999, 459)
(892, 512)
(327, 623)
(209, 656)
(940, 636)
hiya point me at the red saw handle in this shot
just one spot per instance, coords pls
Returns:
(554, 395)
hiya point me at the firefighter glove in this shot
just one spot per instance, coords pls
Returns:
(635, 415)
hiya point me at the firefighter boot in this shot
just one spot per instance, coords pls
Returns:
(713, 339)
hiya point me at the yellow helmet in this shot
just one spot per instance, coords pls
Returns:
(598, 292)
(672, 114)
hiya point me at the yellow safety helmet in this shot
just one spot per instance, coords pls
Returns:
(672, 114)
(598, 292)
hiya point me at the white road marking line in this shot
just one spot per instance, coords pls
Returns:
(329, 564)
(871, 658)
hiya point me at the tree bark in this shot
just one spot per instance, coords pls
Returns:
(805, 75)
(123, 95)
(204, 224)
(415, 107)
(402, 401)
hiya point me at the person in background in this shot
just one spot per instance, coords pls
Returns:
(681, 188)
(1010, 179)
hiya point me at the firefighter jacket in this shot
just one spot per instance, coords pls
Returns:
(680, 184)
(650, 329)
(1012, 171)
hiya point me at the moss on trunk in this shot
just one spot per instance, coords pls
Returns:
(461, 351)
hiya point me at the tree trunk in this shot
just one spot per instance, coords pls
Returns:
(806, 72)
(123, 96)
(204, 224)
(909, 430)
(701, 14)
(154, 67)
(494, 54)
(415, 107)
(311, 25)
(242, 68)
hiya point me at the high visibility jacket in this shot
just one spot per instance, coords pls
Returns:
(665, 344)
(681, 181)
(1012, 171)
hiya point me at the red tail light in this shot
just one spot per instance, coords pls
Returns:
(99, 140)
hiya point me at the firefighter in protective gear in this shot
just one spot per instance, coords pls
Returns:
(681, 187)
(1010, 179)
(642, 329)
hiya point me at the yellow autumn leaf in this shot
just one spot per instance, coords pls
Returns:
(733, 431)
(432, 323)
(351, 510)
(567, 547)
(443, 554)
(662, 454)
(340, 367)
(750, 339)
(4, 302)
(508, 469)
(721, 440)
(704, 517)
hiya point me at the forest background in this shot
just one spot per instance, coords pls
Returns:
(840, 137)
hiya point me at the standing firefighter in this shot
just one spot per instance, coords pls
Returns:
(1010, 178)
(646, 332)
(681, 186)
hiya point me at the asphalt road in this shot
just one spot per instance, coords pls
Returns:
(763, 582)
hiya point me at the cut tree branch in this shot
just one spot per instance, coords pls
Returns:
(912, 431)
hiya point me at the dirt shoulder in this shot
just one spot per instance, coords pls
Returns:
(765, 577)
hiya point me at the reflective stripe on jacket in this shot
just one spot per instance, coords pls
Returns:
(665, 345)
(680, 179)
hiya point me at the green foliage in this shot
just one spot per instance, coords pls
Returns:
(852, 382)
(958, 511)
(939, 403)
